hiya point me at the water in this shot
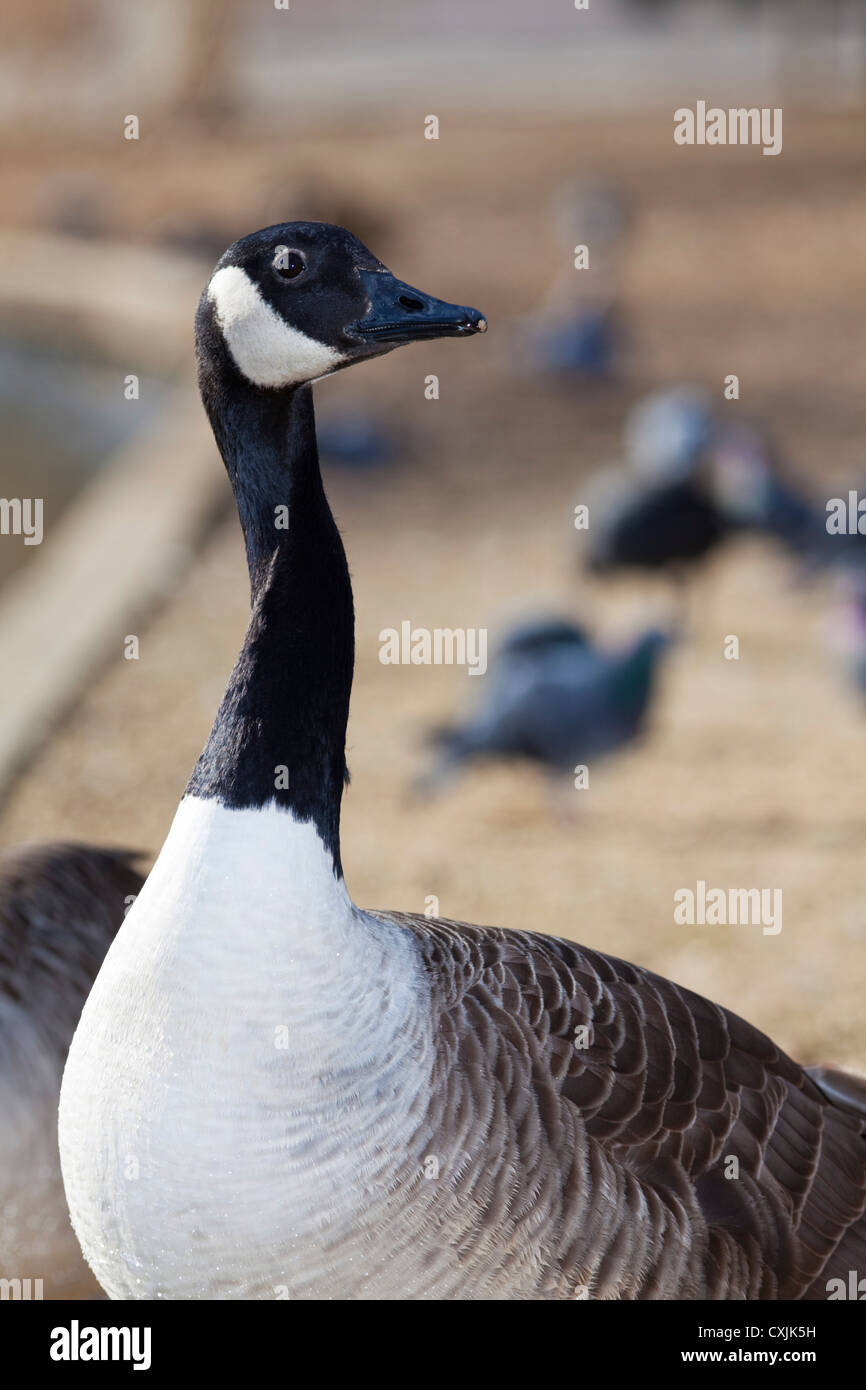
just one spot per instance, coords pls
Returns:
(61, 419)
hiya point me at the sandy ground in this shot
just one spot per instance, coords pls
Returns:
(752, 774)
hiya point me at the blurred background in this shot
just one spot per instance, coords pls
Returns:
(555, 128)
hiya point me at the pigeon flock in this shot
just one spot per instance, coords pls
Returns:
(691, 477)
(689, 482)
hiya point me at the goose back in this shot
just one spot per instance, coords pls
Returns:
(60, 906)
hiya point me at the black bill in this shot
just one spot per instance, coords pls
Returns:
(400, 314)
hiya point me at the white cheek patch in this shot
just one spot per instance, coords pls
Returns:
(266, 349)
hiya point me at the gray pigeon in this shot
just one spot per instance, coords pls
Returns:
(554, 698)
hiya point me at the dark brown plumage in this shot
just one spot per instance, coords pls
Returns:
(60, 906)
(614, 1155)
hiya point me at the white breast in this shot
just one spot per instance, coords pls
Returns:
(242, 1091)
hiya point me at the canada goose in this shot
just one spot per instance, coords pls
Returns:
(554, 698)
(60, 906)
(273, 1092)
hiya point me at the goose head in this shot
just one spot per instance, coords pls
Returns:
(300, 300)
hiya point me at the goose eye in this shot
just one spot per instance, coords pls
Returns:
(288, 264)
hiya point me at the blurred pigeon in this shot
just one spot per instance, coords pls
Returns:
(554, 698)
(847, 630)
(592, 211)
(666, 435)
(654, 526)
(544, 634)
(657, 511)
(751, 488)
(586, 343)
(354, 439)
(578, 329)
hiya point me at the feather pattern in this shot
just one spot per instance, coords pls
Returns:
(611, 1157)
(60, 906)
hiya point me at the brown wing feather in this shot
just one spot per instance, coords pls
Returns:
(619, 1151)
(60, 907)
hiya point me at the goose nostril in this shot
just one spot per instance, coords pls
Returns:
(408, 302)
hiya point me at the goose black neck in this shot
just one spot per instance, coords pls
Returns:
(280, 733)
